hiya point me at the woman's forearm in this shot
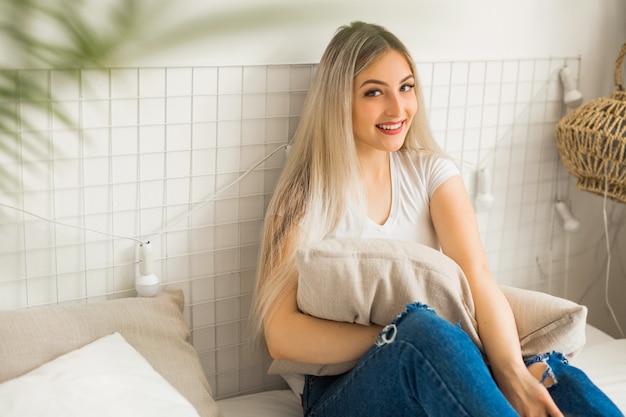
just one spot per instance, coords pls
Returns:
(498, 332)
(292, 335)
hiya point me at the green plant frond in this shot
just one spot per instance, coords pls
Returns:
(8, 122)
(15, 146)
(8, 92)
(9, 181)
(9, 113)
(129, 14)
(9, 145)
(214, 24)
(86, 47)
(28, 109)
(32, 90)
(80, 45)
(35, 51)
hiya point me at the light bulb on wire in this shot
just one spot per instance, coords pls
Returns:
(570, 223)
(484, 199)
(147, 283)
(571, 96)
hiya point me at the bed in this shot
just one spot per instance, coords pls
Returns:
(132, 357)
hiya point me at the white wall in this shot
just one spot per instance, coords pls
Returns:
(289, 31)
(433, 30)
(448, 30)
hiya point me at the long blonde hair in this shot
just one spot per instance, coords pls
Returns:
(322, 174)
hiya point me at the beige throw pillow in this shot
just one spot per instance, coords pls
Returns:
(371, 281)
(155, 327)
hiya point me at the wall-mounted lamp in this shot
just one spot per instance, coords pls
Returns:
(570, 223)
(484, 198)
(146, 283)
(571, 96)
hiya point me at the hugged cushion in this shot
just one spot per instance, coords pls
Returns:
(155, 327)
(107, 377)
(371, 280)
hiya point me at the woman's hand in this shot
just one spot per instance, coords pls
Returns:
(528, 396)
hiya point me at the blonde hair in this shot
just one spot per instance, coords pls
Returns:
(321, 175)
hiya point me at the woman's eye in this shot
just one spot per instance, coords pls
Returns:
(407, 87)
(372, 93)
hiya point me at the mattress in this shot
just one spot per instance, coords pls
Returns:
(603, 359)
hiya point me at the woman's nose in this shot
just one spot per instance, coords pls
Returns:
(394, 105)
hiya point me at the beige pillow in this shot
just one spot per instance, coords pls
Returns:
(155, 327)
(371, 280)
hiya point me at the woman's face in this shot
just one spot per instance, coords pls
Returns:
(383, 104)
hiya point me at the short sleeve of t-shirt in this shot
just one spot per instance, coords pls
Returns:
(427, 169)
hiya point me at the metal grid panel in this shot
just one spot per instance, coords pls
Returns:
(160, 154)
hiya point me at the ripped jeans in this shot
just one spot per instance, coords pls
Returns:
(422, 365)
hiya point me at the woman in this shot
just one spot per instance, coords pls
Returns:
(364, 164)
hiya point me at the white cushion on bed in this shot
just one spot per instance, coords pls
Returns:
(154, 326)
(107, 377)
(605, 364)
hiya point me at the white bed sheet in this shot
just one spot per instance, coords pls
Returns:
(603, 359)
(279, 403)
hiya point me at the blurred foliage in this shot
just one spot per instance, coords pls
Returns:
(58, 33)
(75, 34)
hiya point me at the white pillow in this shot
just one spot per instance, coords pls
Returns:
(105, 378)
(154, 326)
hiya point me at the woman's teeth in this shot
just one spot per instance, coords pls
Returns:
(390, 127)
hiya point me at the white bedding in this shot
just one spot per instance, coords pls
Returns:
(280, 403)
(107, 377)
(603, 359)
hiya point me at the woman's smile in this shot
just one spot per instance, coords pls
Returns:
(391, 128)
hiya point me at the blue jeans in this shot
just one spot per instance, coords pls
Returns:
(422, 365)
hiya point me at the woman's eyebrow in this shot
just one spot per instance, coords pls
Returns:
(408, 77)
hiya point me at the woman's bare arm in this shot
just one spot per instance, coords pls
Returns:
(457, 230)
(292, 335)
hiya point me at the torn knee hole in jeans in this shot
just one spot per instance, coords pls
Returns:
(543, 372)
(389, 332)
(539, 367)
(387, 335)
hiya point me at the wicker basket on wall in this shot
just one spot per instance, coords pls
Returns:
(592, 141)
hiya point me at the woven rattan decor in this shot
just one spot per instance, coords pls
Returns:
(592, 141)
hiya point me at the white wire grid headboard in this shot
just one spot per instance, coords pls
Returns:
(158, 154)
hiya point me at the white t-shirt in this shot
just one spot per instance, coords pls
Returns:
(414, 179)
